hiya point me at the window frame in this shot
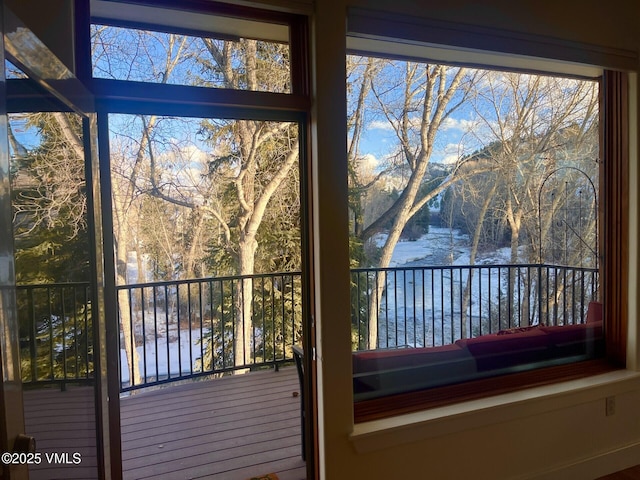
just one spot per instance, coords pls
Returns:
(614, 256)
(298, 45)
(118, 96)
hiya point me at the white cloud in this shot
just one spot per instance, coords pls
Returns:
(414, 122)
(195, 154)
(450, 159)
(369, 161)
(460, 124)
(380, 125)
(451, 153)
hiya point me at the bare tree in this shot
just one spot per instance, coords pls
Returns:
(532, 126)
(117, 53)
(49, 178)
(252, 159)
(414, 99)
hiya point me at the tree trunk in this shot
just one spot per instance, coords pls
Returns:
(190, 260)
(124, 307)
(472, 259)
(515, 225)
(385, 258)
(243, 321)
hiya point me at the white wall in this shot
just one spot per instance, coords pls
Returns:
(557, 432)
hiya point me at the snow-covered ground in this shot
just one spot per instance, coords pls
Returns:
(164, 358)
(428, 301)
(430, 298)
(440, 246)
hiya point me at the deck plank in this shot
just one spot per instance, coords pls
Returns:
(62, 422)
(230, 428)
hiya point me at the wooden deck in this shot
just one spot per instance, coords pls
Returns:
(62, 422)
(232, 428)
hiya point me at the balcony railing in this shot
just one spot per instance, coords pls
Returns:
(56, 335)
(430, 306)
(186, 329)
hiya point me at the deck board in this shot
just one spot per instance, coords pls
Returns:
(230, 428)
(62, 422)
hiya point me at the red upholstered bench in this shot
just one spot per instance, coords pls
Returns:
(581, 339)
(505, 349)
(386, 359)
(594, 312)
(404, 369)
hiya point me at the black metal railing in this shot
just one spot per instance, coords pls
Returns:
(56, 336)
(429, 306)
(188, 328)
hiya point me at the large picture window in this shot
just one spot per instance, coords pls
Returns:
(477, 227)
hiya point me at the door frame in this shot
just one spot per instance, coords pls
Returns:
(11, 405)
(26, 51)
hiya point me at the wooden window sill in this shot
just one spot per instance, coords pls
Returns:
(405, 427)
(398, 404)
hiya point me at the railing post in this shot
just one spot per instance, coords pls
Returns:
(32, 343)
(540, 319)
(88, 335)
(64, 343)
(50, 318)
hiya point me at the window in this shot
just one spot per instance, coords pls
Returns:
(241, 64)
(202, 121)
(479, 205)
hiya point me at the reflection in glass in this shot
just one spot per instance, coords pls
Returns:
(53, 290)
(23, 44)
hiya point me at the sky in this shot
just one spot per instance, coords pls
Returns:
(452, 141)
(473, 124)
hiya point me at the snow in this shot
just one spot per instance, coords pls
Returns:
(429, 299)
(425, 303)
(437, 247)
(171, 360)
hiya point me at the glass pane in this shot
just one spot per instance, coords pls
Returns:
(11, 71)
(158, 57)
(208, 249)
(474, 203)
(53, 292)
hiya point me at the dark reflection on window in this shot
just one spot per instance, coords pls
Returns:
(53, 291)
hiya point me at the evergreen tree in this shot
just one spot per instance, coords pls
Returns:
(51, 244)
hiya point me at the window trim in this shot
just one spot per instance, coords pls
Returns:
(614, 271)
(393, 431)
(614, 144)
(367, 23)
